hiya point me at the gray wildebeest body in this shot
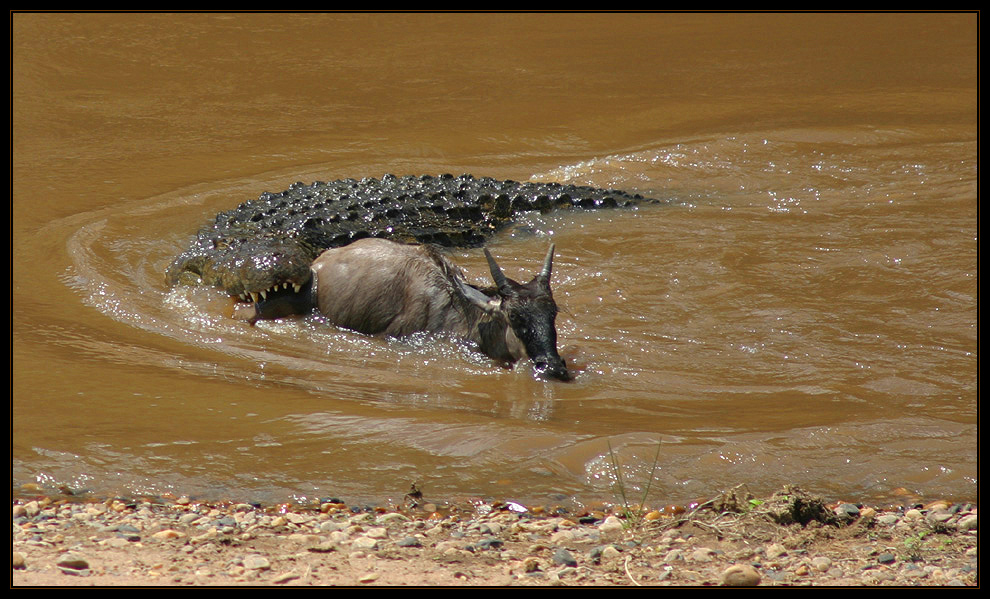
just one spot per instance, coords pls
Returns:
(380, 287)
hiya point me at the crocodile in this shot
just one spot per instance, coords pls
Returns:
(266, 246)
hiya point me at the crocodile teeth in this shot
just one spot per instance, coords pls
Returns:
(264, 294)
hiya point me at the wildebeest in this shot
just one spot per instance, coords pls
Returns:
(381, 287)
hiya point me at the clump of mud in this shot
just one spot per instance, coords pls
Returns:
(790, 505)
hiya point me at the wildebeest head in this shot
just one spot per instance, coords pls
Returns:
(531, 313)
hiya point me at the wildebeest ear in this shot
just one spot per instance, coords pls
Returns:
(476, 297)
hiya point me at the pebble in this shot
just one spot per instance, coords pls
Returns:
(31, 509)
(563, 557)
(489, 543)
(297, 518)
(189, 518)
(822, 564)
(285, 577)
(73, 561)
(875, 576)
(888, 519)
(610, 553)
(256, 562)
(611, 525)
(436, 531)
(209, 535)
(359, 518)
(392, 517)
(740, 575)
(364, 543)
(967, 522)
(938, 516)
(444, 546)
(913, 514)
(323, 547)
(914, 573)
(702, 555)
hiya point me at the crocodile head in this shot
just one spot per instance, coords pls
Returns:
(249, 267)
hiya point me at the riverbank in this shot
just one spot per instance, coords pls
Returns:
(790, 538)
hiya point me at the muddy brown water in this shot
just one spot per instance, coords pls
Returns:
(804, 311)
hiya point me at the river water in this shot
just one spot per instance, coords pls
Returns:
(803, 311)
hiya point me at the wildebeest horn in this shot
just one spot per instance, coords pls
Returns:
(547, 265)
(497, 274)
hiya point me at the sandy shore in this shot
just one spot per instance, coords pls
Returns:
(790, 538)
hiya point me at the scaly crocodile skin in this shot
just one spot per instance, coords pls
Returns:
(268, 244)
